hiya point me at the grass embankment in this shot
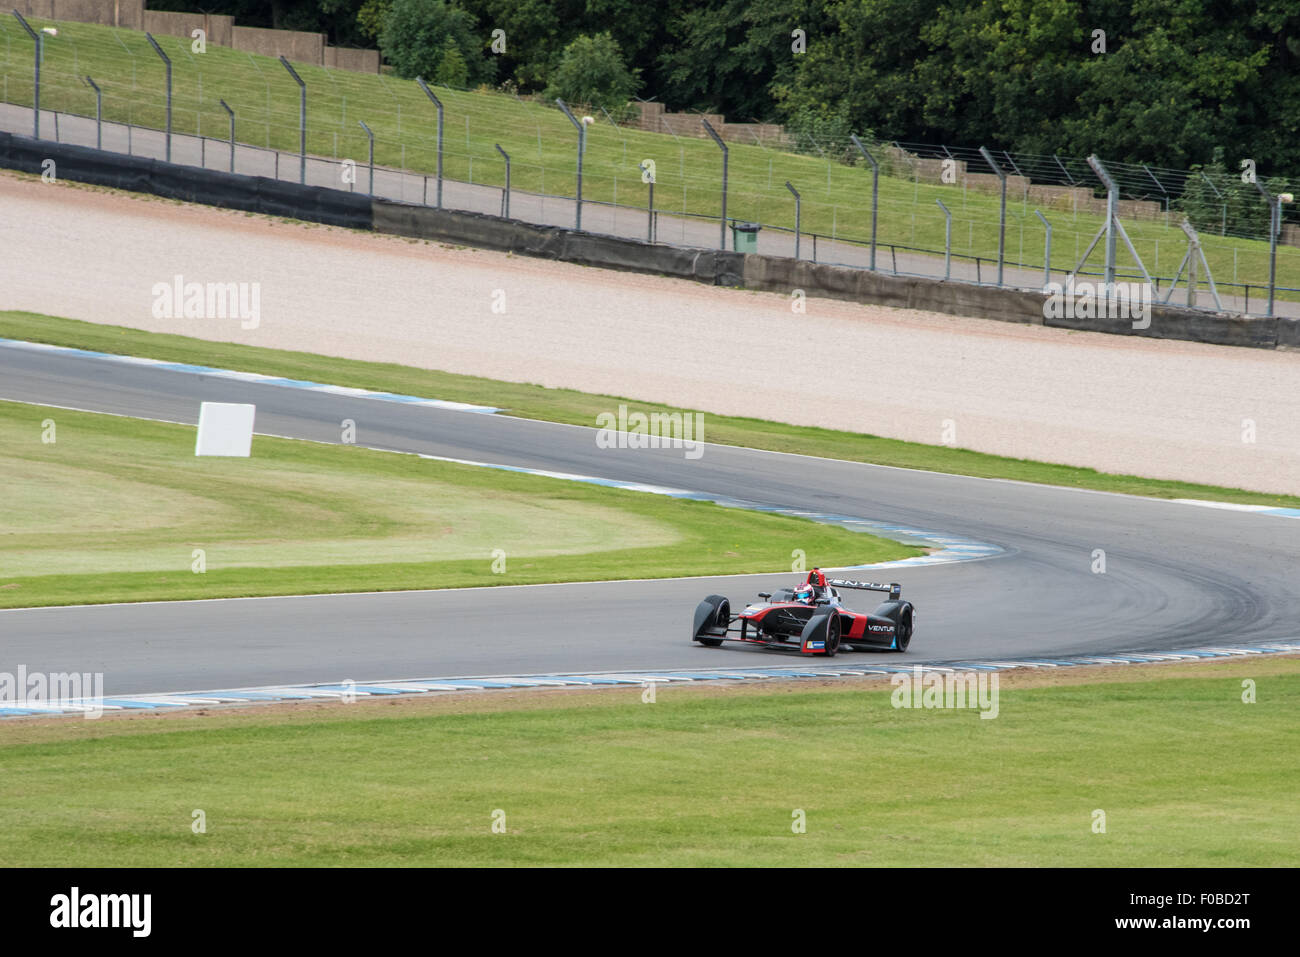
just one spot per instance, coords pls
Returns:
(1186, 773)
(114, 509)
(580, 408)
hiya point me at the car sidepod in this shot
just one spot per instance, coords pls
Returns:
(890, 625)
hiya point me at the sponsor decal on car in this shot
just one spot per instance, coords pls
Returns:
(816, 644)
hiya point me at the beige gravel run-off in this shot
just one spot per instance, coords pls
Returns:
(1116, 403)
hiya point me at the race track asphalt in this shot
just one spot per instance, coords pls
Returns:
(1177, 575)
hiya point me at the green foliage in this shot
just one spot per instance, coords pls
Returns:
(725, 57)
(592, 73)
(1171, 85)
(417, 34)
(452, 70)
(371, 17)
(1218, 201)
(823, 132)
(535, 33)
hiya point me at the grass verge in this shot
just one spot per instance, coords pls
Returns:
(119, 509)
(1186, 773)
(580, 408)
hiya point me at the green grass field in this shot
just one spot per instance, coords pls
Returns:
(580, 408)
(542, 143)
(114, 509)
(1186, 773)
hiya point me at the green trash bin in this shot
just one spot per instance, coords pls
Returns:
(744, 237)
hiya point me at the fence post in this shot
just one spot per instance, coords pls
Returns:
(1112, 213)
(36, 66)
(875, 191)
(231, 113)
(581, 127)
(1275, 202)
(505, 195)
(437, 103)
(99, 113)
(1112, 227)
(798, 202)
(722, 222)
(649, 178)
(369, 133)
(947, 240)
(302, 120)
(167, 61)
(1002, 213)
(1047, 250)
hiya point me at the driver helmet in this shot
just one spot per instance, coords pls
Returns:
(804, 592)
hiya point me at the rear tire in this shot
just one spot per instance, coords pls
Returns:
(903, 633)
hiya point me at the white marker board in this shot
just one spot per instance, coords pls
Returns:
(225, 428)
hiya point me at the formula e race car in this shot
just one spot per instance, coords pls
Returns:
(809, 618)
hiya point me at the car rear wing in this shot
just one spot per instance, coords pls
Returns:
(894, 589)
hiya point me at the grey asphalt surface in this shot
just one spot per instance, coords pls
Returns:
(1177, 575)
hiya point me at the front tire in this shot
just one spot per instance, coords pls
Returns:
(833, 636)
(711, 614)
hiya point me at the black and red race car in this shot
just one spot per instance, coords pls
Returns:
(809, 618)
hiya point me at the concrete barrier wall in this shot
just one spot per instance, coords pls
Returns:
(347, 58)
(554, 242)
(778, 274)
(109, 13)
(818, 280)
(1191, 325)
(291, 44)
(656, 119)
(255, 194)
(217, 29)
